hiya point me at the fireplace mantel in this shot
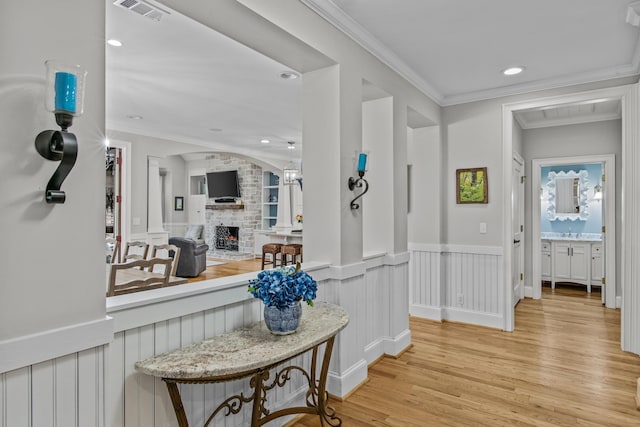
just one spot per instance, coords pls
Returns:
(225, 206)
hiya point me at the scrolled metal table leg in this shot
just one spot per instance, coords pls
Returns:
(326, 412)
(176, 400)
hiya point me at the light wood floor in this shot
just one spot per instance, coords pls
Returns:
(229, 268)
(562, 366)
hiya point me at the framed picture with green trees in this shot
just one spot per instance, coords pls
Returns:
(472, 185)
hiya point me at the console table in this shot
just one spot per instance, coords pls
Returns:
(253, 352)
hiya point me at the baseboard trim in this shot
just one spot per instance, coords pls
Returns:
(528, 291)
(426, 312)
(397, 345)
(31, 349)
(387, 347)
(489, 320)
(341, 385)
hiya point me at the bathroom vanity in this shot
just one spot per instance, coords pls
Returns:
(575, 259)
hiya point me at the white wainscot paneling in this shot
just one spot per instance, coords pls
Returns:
(147, 400)
(100, 387)
(66, 391)
(460, 283)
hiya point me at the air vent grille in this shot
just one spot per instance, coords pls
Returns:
(142, 8)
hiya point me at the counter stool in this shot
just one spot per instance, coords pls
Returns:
(293, 249)
(272, 249)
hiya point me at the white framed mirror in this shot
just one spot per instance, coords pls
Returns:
(568, 196)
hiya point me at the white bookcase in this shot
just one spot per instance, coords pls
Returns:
(269, 200)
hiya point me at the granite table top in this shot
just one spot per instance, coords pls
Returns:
(247, 349)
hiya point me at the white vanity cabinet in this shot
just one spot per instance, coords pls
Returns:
(545, 260)
(571, 262)
(597, 268)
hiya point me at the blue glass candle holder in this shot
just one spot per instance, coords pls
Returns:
(65, 91)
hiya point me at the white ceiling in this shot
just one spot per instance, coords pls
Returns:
(194, 85)
(185, 80)
(455, 50)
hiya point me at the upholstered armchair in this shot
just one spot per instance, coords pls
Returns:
(193, 257)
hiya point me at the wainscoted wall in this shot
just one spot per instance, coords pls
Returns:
(461, 283)
(66, 391)
(100, 387)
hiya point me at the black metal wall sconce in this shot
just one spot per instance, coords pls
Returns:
(360, 181)
(64, 98)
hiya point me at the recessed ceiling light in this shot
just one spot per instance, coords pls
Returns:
(265, 141)
(114, 42)
(512, 71)
(289, 75)
(134, 117)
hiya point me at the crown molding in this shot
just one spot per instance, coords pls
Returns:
(590, 118)
(623, 71)
(343, 22)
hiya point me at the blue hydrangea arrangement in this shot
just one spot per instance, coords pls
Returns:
(283, 286)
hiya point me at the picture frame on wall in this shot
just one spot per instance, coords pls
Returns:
(472, 185)
(179, 203)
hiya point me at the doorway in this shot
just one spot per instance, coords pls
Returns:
(117, 186)
(626, 96)
(608, 211)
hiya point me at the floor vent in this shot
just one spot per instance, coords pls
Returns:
(142, 8)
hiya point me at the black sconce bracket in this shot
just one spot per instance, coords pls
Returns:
(357, 182)
(62, 146)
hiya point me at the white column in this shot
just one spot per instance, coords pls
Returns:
(296, 205)
(377, 204)
(154, 198)
(284, 206)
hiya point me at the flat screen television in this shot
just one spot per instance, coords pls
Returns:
(223, 186)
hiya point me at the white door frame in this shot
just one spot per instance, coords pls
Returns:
(125, 196)
(609, 207)
(520, 209)
(628, 95)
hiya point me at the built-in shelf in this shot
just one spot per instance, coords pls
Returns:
(224, 206)
(270, 187)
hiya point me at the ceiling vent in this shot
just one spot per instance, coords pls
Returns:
(142, 8)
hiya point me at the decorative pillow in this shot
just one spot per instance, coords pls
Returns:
(194, 232)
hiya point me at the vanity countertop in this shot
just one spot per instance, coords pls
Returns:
(574, 237)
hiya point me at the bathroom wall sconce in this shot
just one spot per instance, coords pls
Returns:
(360, 181)
(597, 192)
(65, 98)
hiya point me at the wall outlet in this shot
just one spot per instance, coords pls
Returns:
(460, 299)
(483, 228)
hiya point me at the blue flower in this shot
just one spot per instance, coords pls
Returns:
(283, 286)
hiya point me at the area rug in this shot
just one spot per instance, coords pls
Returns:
(211, 263)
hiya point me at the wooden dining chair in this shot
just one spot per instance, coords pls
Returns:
(158, 251)
(138, 275)
(135, 250)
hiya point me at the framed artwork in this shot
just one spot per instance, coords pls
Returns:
(179, 204)
(472, 186)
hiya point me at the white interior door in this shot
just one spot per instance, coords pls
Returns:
(197, 203)
(517, 215)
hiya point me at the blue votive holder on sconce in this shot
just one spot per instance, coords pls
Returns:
(362, 162)
(65, 92)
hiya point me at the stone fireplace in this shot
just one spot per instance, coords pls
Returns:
(227, 238)
(241, 219)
